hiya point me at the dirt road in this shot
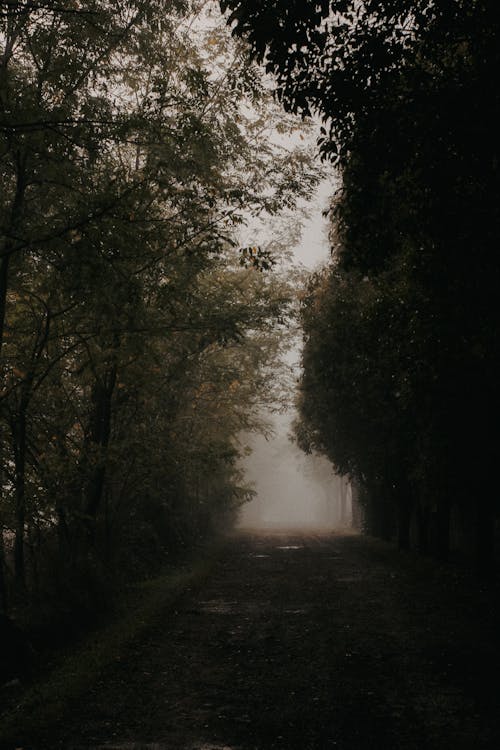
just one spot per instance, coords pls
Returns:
(306, 642)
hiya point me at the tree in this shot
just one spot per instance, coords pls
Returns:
(137, 331)
(411, 117)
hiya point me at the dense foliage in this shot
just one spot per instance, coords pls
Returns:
(402, 330)
(135, 140)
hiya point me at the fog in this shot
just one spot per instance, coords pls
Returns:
(294, 489)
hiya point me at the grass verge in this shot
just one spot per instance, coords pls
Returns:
(32, 710)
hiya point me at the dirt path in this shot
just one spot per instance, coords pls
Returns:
(305, 642)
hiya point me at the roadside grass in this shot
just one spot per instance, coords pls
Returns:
(33, 709)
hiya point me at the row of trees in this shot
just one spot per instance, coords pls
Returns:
(400, 384)
(136, 336)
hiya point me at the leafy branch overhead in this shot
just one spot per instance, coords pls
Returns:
(256, 257)
(137, 142)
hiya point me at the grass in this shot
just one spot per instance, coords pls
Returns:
(39, 706)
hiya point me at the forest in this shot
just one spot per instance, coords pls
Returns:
(157, 160)
(401, 330)
(138, 336)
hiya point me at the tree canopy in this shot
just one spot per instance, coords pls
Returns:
(136, 140)
(401, 332)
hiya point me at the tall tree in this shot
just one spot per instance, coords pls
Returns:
(410, 115)
(136, 330)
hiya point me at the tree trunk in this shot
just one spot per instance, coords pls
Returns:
(100, 431)
(34, 545)
(5, 255)
(485, 534)
(4, 282)
(381, 512)
(20, 496)
(343, 501)
(423, 513)
(404, 519)
(3, 584)
(443, 528)
(9, 232)
(357, 510)
(405, 503)
(19, 557)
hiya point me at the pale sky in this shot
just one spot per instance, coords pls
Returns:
(313, 248)
(287, 494)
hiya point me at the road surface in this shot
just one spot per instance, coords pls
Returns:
(305, 642)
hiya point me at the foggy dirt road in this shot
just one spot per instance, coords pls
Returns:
(305, 641)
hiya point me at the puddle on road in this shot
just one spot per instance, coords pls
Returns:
(245, 610)
(220, 607)
(224, 607)
(252, 554)
(292, 546)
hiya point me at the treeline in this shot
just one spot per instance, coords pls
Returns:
(401, 330)
(137, 338)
